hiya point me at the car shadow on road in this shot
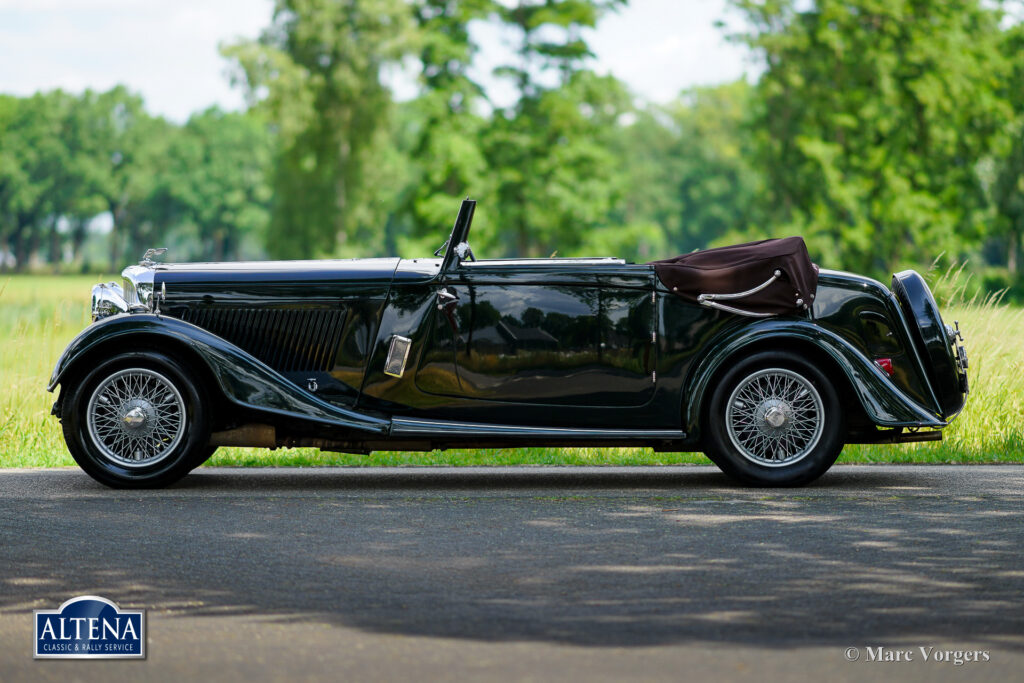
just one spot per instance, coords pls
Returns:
(696, 478)
(620, 559)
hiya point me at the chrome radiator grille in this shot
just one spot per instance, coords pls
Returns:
(288, 340)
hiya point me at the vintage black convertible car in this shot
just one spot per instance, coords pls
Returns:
(748, 353)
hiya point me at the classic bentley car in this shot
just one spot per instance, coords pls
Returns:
(749, 353)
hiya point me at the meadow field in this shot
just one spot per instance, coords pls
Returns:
(39, 315)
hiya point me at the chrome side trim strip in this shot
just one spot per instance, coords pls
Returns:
(411, 426)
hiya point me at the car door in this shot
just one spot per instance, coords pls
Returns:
(628, 326)
(544, 332)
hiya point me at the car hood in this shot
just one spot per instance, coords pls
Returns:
(362, 271)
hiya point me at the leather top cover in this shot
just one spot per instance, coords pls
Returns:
(738, 268)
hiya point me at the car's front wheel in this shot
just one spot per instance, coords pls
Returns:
(774, 420)
(136, 421)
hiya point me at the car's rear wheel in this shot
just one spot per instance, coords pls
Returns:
(136, 421)
(774, 420)
(203, 455)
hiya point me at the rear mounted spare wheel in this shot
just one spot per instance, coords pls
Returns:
(931, 339)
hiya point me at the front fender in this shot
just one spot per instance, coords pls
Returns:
(883, 402)
(244, 380)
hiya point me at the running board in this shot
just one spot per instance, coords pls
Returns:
(408, 427)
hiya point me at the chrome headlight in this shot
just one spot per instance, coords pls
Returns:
(107, 300)
(138, 287)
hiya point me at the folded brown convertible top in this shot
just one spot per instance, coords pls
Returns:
(714, 276)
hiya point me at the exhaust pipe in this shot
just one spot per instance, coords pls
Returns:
(252, 435)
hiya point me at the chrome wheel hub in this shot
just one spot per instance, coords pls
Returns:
(774, 417)
(136, 417)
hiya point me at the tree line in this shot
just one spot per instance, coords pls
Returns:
(66, 159)
(886, 132)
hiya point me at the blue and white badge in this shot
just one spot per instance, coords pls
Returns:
(89, 627)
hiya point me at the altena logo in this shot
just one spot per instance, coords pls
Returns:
(90, 627)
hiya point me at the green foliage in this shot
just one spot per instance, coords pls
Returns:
(34, 186)
(64, 159)
(441, 129)
(875, 114)
(1009, 197)
(556, 178)
(39, 315)
(215, 184)
(690, 168)
(121, 149)
(885, 132)
(320, 65)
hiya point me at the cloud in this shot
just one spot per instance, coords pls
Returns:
(660, 47)
(167, 49)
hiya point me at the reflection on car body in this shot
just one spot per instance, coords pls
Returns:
(748, 353)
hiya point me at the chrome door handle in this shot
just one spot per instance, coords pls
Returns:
(444, 297)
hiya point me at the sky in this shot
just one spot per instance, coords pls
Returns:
(166, 50)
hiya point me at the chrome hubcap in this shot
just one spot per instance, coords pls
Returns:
(775, 417)
(136, 417)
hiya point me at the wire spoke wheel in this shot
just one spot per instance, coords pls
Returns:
(774, 417)
(136, 417)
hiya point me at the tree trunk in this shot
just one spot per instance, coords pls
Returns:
(1011, 259)
(33, 245)
(6, 249)
(78, 235)
(115, 237)
(55, 245)
(20, 247)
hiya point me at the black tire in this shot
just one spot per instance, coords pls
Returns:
(202, 455)
(103, 446)
(804, 445)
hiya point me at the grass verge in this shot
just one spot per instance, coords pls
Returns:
(39, 315)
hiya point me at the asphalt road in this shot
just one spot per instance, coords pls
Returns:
(525, 573)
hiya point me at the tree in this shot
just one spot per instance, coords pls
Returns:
(441, 129)
(33, 164)
(216, 183)
(1009, 197)
(120, 150)
(555, 174)
(875, 116)
(316, 73)
(689, 167)
(1008, 188)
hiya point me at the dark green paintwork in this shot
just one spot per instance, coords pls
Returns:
(243, 380)
(931, 338)
(530, 347)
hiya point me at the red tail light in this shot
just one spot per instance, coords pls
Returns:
(885, 364)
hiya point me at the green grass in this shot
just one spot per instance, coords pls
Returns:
(39, 315)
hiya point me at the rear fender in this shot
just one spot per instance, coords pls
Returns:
(883, 402)
(243, 379)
